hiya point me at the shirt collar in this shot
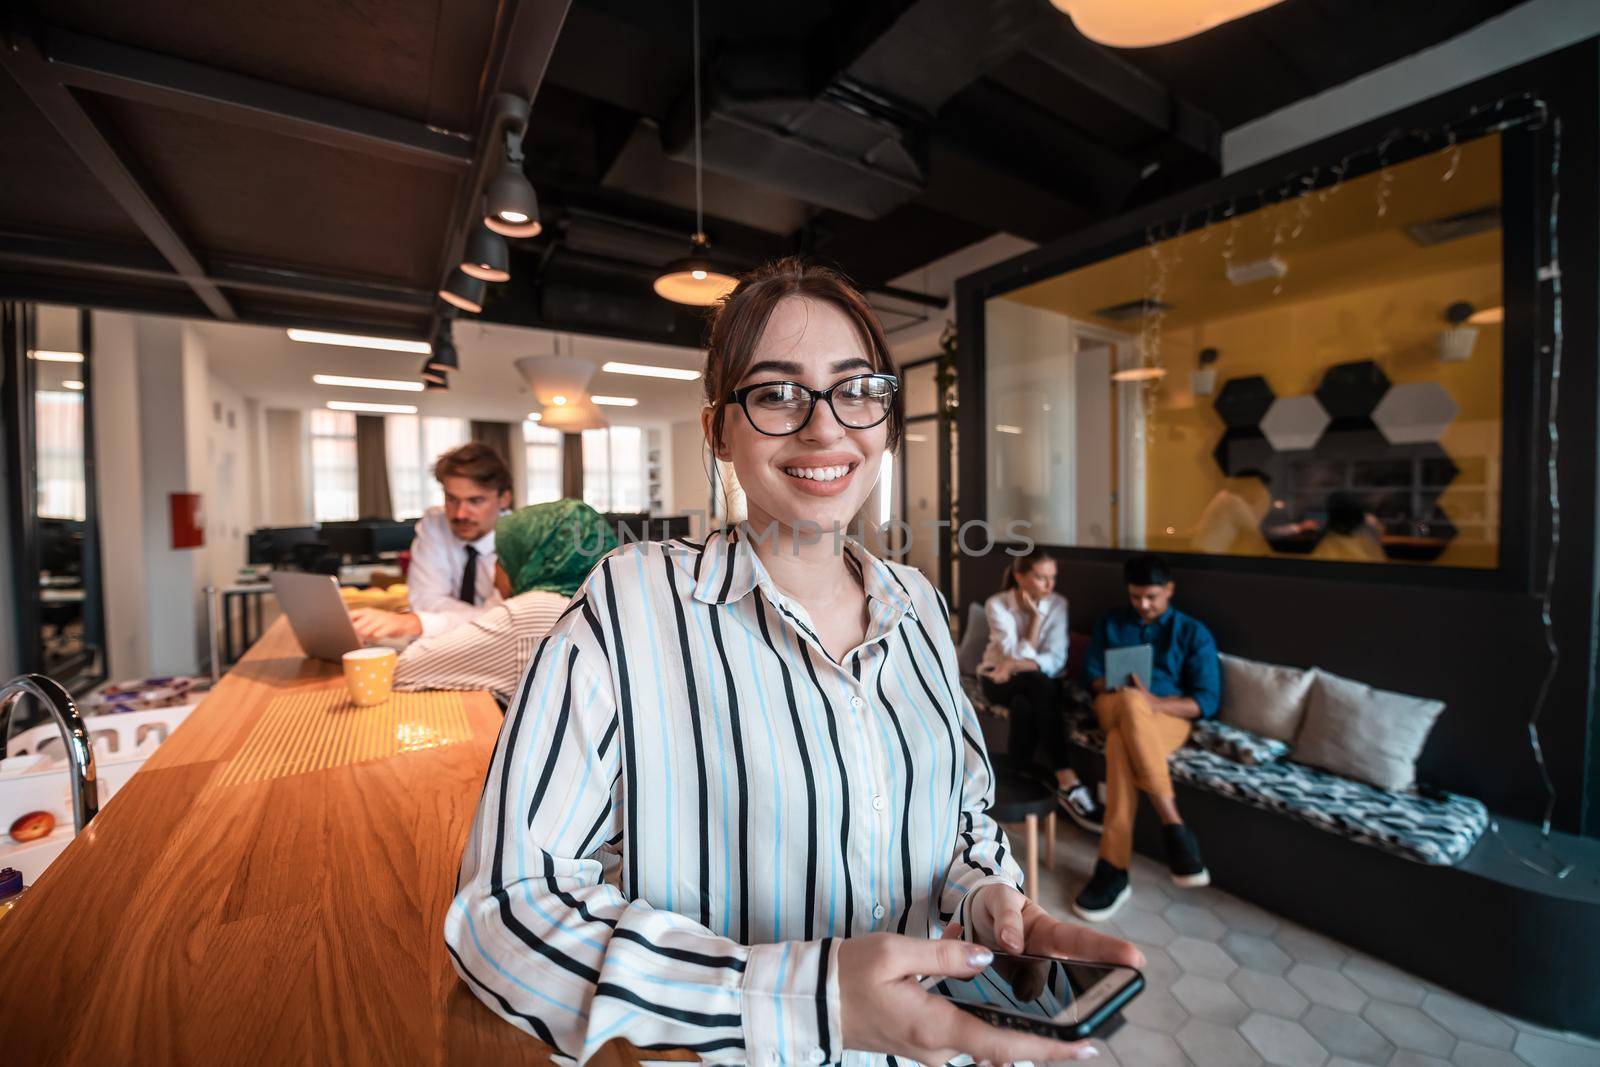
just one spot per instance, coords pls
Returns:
(729, 569)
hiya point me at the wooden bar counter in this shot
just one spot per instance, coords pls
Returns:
(269, 888)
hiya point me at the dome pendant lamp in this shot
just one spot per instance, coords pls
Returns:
(695, 279)
(464, 292)
(486, 256)
(1127, 24)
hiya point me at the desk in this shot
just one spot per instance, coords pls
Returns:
(297, 919)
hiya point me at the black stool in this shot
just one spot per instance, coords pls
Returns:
(1020, 797)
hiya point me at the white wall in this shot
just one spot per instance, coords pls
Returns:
(1525, 32)
(229, 481)
(286, 469)
(690, 480)
(119, 479)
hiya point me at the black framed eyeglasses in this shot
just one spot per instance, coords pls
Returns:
(779, 409)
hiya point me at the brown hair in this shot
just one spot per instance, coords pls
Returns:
(1022, 565)
(476, 461)
(742, 317)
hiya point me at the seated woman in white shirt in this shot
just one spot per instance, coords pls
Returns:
(770, 727)
(545, 552)
(1021, 670)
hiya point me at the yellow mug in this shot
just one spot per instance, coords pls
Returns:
(369, 674)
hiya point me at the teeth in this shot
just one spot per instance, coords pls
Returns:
(818, 474)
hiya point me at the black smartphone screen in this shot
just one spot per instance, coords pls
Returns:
(1066, 999)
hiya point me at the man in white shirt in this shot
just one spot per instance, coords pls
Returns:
(451, 579)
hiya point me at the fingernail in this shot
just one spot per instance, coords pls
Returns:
(1087, 1052)
(978, 956)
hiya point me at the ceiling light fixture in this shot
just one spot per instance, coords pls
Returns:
(1120, 24)
(465, 292)
(646, 371)
(534, 416)
(436, 385)
(574, 418)
(444, 358)
(355, 340)
(1488, 316)
(558, 400)
(372, 409)
(45, 355)
(486, 256)
(73, 384)
(511, 208)
(431, 377)
(367, 383)
(616, 401)
(695, 279)
(1006, 428)
(1139, 374)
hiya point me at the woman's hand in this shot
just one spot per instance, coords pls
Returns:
(1002, 918)
(883, 1007)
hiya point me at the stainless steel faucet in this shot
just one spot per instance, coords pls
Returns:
(74, 735)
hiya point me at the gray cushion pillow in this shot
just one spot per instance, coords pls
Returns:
(974, 640)
(1369, 734)
(1263, 698)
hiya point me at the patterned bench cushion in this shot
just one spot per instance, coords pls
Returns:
(1439, 831)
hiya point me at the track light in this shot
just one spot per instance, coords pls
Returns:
(444, 358)
(435, 385)
(433, 376)
(464, 292)
(487, 256)
(511, 207)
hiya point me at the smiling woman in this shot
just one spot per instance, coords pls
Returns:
(770, 728)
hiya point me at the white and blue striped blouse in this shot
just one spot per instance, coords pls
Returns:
(766, 801)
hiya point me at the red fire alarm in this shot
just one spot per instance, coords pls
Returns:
(188, 522)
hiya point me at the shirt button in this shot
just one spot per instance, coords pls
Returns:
(855, 702)
(877, 911)
(816, 1055)
(877, 803)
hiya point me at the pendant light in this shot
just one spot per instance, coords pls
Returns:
(511, 208)
(464, 292)
(1129, 24)
(444, 357)
(695, 279)
(486, 256)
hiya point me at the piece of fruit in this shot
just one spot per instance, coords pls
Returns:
(34, 825)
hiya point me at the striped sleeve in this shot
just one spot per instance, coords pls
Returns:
(552, 948)
(490, 652)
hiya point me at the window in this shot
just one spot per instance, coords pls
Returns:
(333, 466)
(1320, 380)
(412, 444)
(60, 456)
(542, 450)
(613, 469)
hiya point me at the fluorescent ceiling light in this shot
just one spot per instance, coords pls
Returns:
(646, 371)
(72, 383)
(616, 401)
(355, 340)
(368, 383)
(1004, 428)
(48, 356)
(374, 409)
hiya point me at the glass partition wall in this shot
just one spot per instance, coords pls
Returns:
(1320, 378)
(49, 453)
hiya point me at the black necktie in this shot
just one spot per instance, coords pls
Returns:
(469, 577)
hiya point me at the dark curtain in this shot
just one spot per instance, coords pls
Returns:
(497, 435)
(372, 469)
(572, 466)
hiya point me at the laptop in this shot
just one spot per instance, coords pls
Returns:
(316, 613)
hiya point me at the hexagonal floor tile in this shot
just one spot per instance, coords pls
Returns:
(1160, 968)
(1543, 1050)
(1156, 1009)
(1294, 423)
(1408, 1028)
(1135, 1044)
(1243, 916)
(1145, 927)
(1347, 1035)
(1408, 1058)
(1467, 1054)
(1202, 957)
(1195, 921)
(1383, 981)
(1210, 998)
(1327, 987)
(1279, 1041)
(1415, 412)
(1211, 1045)
(1468, 1021)
(1269, 993)
(1256, 953)
(1308, 946)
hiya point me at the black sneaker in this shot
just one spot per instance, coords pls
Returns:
(1108, 887)
(1183, 857)
(1079, 804)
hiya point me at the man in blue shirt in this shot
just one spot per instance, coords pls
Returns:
(1146, 721)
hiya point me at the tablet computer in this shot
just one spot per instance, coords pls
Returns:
(1123, 662)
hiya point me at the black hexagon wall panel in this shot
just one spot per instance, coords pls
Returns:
(1350, 392)
(1243, 402)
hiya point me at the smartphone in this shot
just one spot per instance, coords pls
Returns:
(1069, 1000)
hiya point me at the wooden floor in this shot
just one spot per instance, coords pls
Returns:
(232, 906)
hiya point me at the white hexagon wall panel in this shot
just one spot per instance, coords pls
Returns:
(1415, 413)
(1294, 423)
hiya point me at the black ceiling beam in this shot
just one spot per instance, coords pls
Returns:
(84, 62)
(47, 252)
(93, 143)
